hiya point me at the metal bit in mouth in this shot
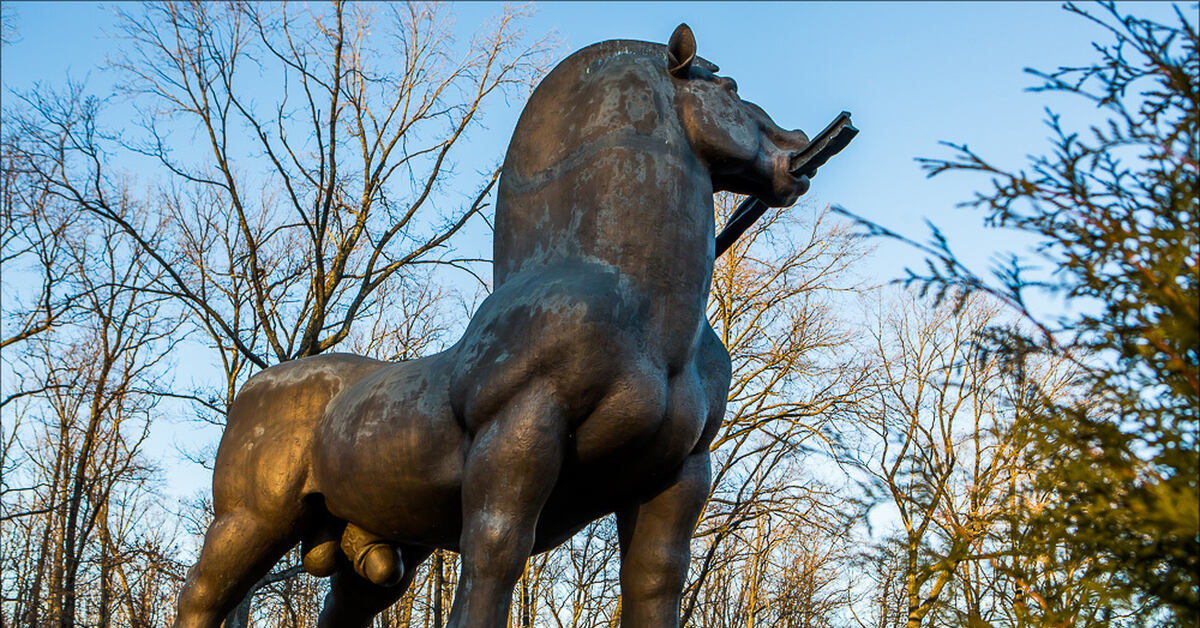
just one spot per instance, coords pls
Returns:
(825, 145)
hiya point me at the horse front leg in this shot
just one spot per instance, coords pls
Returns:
(655, 539)
(511, 467)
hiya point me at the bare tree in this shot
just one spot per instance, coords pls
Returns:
(946, 458)
(296, 173)
(285, 204)
(773, 304)
(286, 225)
(932, 399)
(36, 292)
(883, 599)
(87, 424)
(579, 584)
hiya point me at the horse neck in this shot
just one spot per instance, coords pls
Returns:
(633, 206)
(599, 171)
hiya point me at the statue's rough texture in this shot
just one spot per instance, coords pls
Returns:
(589, 381)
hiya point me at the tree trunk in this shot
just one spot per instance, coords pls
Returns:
(525, 619)
(239, 617)
(439, 583)
(106, 562)
(73, 546)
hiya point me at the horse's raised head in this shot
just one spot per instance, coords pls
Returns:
(624, 138)
(745, 151)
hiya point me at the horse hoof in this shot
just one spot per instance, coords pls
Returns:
(381, 564)
(321, 560)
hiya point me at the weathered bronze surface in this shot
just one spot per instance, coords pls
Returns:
(589, 381)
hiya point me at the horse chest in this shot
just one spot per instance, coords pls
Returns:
(604, 473)
(641, 432)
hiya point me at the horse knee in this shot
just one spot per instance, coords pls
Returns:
(655, 574)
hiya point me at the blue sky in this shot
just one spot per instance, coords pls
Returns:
(911, 73)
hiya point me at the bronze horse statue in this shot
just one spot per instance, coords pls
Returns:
(589, 382)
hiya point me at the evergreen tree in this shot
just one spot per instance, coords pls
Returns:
(1115, 213)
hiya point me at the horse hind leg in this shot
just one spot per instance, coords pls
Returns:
(239, 548)
(261, 513)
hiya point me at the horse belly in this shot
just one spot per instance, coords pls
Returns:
(391, 457)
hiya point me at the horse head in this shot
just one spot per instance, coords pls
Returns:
(618, 153)
(743, 148)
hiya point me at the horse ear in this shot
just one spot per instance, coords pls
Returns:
(681, 51)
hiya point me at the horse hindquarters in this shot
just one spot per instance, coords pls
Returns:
(261, 481)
